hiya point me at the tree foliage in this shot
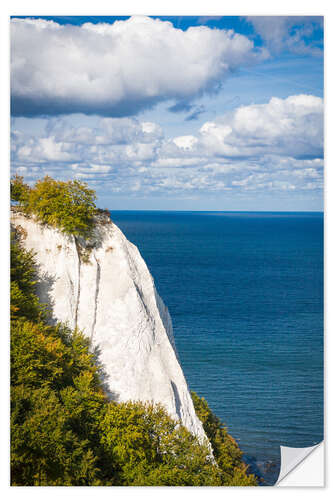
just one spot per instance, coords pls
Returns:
(24, 302)
(64, 431)
(226, 451)
(69, 206)
(45, 450)
(148, 448)
(19, 191)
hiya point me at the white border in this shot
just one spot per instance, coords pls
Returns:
(128, 7)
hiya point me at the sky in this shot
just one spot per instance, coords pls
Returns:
(172, 113)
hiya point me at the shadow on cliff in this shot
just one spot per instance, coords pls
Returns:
(103, 376)
(97, 236)
(166, 320)
(43, 288)
(177, 399)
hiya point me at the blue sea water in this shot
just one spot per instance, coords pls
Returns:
(245, 293)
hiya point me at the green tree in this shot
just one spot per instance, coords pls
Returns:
(23, 278)
(226, 451)
(19, 191)
(44, 449)
(67, 205)
(148, 448)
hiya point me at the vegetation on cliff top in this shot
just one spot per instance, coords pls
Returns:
(69, 206)
(64, 431)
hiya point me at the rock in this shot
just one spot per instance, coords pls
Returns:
(104, 287)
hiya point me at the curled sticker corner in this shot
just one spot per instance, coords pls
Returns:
(291, 458)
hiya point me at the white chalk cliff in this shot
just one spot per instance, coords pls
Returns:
(109, 294)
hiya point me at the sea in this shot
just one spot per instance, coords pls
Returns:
(245, 294)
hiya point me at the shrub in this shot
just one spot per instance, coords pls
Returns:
(67, 205)
(24, 302)
(19, 191)
(148, 448)
(226, 451)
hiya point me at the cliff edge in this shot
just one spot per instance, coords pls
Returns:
(104, 287)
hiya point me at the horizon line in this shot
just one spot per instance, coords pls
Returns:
(211, 211)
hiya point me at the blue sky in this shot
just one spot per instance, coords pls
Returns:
(174, 113)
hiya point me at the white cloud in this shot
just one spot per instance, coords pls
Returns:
(288, 127)
(45, 149)
(185, 142)
(287, 32)
(128, 130)
(275, 146)
(118, 69)
(141, 151)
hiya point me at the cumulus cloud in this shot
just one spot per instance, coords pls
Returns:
(288, 32)
(275, 146)
(118, 69)
(287, 127)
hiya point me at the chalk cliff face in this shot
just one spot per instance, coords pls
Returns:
(109, 294)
